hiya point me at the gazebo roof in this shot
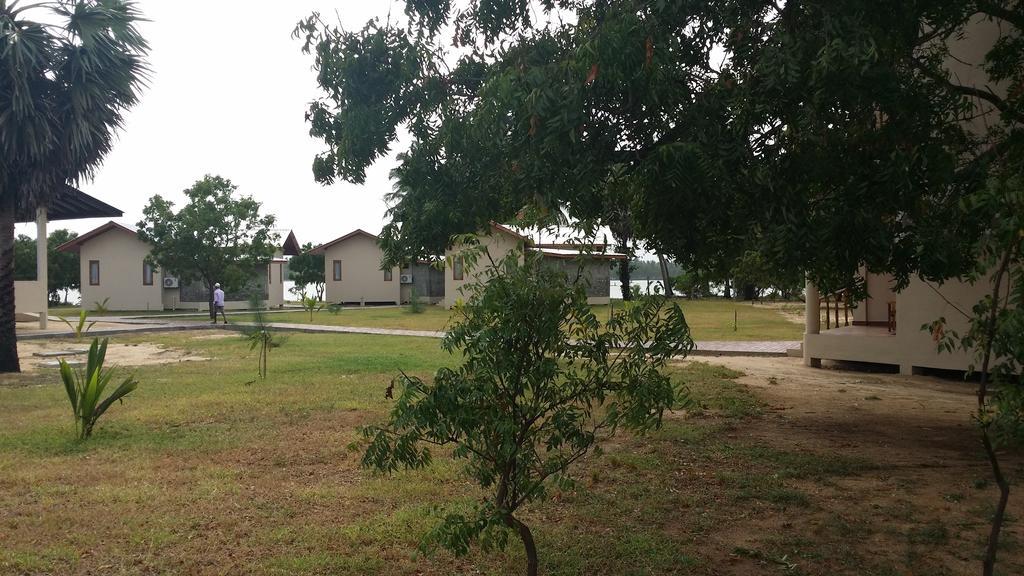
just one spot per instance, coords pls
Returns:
(70, 203)
(291, 245)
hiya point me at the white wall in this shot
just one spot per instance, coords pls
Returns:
(29, 297)
(362, 280)
(120, 255)
(910, 347)
(498, 245)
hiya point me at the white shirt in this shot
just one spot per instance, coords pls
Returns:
(218, 297)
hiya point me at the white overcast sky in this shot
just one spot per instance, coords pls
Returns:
(227, 96)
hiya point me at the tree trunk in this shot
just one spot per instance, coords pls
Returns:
(989, 563)
(532, 564)
(666, 279)
(213, 309)
(727, 292)
(8, 330)
(624, 280)
(749, 292)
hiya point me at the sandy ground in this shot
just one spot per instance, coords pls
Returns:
(928, 465)
(867, 413)
(117, 354)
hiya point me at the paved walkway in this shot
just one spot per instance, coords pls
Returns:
(754, 348)
(166, 323)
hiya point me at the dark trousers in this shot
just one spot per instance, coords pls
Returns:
(222, 315)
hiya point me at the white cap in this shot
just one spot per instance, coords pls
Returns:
(216, 285)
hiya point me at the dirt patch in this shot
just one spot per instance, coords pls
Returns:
(921, 500)
(117, 354)
(791, 311)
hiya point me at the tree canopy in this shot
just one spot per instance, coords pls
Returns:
(63, 273)
(215, 237)
(307, 269)
(829, 136)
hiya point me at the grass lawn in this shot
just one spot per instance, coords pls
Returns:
(710, 319)
(199, 472)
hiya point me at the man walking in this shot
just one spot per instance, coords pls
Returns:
(218, 303)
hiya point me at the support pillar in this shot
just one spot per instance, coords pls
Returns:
(812, 320)
(42, 266)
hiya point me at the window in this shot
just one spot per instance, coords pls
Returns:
(387, 275)
(337, 270)
(147, 274)
(94, 272)
(457, 269)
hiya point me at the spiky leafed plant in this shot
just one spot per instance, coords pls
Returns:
(80, 328)
(85, 388)
(64, 87)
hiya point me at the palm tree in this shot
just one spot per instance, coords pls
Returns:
(64, 87)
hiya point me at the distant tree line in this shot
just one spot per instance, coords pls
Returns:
(62, 267)
(750, 278)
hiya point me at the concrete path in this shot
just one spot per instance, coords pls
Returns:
(118, 325)
(753, 348)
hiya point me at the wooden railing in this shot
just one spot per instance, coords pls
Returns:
(832, 304)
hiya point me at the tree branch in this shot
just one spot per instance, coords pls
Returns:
(996, 11)
(985, 95)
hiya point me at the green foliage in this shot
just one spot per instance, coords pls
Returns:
(310, 304)
(215, 237)
(24, 258)
(827, 136)
(85, 388)
(101, 306)
(334, 308)
(63, 272)
(70, 70)
(415, 304)
(542, 383)
(995, 334)
(752, 268)
(64, 267)
(81, 327)
(307, 269)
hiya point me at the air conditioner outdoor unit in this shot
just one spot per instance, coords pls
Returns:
(405, 278)
(170, 282)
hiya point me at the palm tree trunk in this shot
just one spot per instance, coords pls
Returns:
(666, 279)
(8, 330)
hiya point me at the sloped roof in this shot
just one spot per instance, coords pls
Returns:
(510, 231)
(571, 254)
(75, 244)
(70, 203)
(291, 245)
(357, 232)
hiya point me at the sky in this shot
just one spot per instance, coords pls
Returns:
(227, 96)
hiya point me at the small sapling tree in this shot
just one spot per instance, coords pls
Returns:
(307, 269)
(310, 304)
(995, 332)
(541, 384)
(261, 337)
